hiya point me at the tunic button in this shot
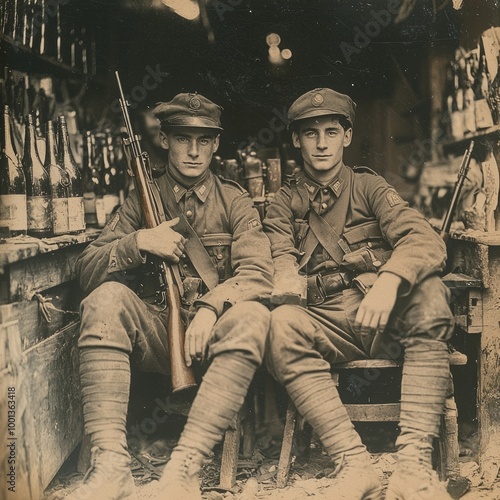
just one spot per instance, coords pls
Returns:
(220, 256)
(189, 213)
(324, 206)
(183, 255)
(184, 266)
(325, 191)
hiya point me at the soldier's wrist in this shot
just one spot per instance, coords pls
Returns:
(208, 307)
(389, 279)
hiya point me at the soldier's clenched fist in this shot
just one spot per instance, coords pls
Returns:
(162, 241)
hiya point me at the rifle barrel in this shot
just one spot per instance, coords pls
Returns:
(462, 174)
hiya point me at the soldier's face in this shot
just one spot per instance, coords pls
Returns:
(190, 150)
(321, 141)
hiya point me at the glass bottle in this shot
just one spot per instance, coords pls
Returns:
(66, 161)
(495, 94)
(457, 115)
(40, 139)
(484, 117)
(13, 210)
(109, 177)
(92, 192)
(59, 185)
(37, 185)
(469, 103)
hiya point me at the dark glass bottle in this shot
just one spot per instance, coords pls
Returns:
(13, 211)
(92, 195)
(59, 185)
(66, 161)
(109, 176)
(484, 117)
(495, 94)
(37, 185)
(40, 138)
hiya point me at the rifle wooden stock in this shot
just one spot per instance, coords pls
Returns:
(181, 375)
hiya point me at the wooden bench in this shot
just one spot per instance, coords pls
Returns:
(386, 412)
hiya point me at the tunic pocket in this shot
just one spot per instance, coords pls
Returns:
(218, 246)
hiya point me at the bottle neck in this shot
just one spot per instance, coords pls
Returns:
(30, 141)
(7, 145)
(89, 152)
(64, 148)
(50, 152)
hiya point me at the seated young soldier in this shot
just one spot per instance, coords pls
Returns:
(228, 326)
(371, 266)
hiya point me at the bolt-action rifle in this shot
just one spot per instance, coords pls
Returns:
(170, 284)
(462, 175)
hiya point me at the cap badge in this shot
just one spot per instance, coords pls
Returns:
(194, 103)
(317, 100)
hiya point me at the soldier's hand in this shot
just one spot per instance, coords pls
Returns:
(162, 241)
(198, 334)
(376, 307)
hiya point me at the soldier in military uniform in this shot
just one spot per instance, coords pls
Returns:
(356, 272)
(120, 322)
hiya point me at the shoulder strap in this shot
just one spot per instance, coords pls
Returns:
(361, 169)
(194, 248)
(327, 235)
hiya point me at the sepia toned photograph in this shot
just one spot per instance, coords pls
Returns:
(249, 250)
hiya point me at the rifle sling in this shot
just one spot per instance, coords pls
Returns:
(155, 191)
(325, 234)
(193, 247)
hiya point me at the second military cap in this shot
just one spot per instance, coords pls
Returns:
(321, 102)
(189, 110)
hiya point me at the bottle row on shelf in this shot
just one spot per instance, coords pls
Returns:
(57, 196)
(49, 28)
(472, 93)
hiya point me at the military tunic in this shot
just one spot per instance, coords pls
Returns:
(406, 244)
(110, 268)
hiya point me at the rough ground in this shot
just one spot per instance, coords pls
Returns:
(151, 444)
(256, 476)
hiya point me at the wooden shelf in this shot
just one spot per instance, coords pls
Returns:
(491, 238)
(24, 247)
(476, 135)
(18, 56)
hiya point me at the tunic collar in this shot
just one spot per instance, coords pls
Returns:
(313, 186)
(201, 188)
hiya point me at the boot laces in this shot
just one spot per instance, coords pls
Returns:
(185, 467)
(100, 468)
(344, 467)
(424, 480)
(339, 469)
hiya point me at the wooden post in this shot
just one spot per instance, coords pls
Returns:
(479, 256)
(20, 467)
(286, 447)
(230, 453)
